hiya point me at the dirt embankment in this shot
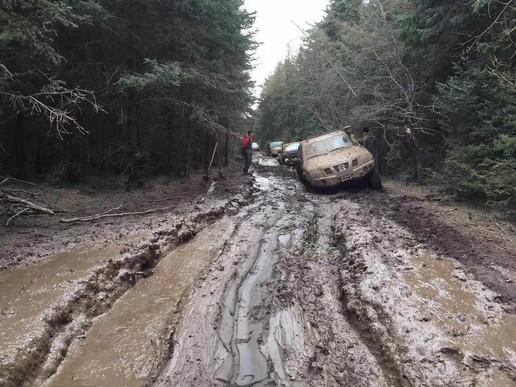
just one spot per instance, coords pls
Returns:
(31, 238)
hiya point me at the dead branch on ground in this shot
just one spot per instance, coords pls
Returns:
(15, 216)
(6, 179)
(27, 203)
(108, 214)
(18, 201)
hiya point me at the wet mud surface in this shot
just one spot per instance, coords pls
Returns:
(491, 262)
(32, 239)
(276, 286)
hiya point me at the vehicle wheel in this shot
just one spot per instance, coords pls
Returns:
(374, 180)
(299, 171)
(301, 176)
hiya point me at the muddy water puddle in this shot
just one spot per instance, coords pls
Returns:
(478, 328)
(27, 292)
(125, 345)
(268, 162)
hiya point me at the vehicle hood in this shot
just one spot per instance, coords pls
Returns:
(338, 157)
(291, 153)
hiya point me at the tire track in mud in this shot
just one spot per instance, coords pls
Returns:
(273, 327)
(39, 357)
(234, 311)
(334, 353)
(387, 362)
(134, 337)
(245, 363)
(406, 338)
(295, 331)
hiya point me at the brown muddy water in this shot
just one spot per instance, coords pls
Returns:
(292, 289)
(125, 345)
(476, 330)
(27, 292)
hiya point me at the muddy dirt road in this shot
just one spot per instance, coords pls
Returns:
(275, 286)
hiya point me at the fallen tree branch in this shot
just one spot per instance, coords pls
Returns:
(111, 210)
(15, 216)
(28, 203)
(28, 193)
(6, 179)
(109, 215)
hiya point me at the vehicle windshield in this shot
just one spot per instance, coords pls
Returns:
(276, 144)
(327, 145)
(292, 147)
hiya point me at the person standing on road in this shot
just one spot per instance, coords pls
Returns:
(247, 151)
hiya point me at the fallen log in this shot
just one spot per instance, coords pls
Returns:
(28, 203)
(28, 193)
(111, 210)
(109, 215)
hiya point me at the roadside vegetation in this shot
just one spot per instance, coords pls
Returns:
(104, 87)
(434, 80)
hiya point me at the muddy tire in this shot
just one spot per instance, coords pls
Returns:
(374, 180)
(303, 180)
(300, 175)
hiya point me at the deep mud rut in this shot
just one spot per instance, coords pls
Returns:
(278, 286)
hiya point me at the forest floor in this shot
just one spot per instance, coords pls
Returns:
(33, 238)
(260, 282)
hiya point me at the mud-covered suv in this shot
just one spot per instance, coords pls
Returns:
(333, 159)
(289, 154)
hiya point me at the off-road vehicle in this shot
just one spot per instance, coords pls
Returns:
(275, 148)
(335, 158)
(289, 156)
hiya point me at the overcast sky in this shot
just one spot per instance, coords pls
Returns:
(276, 22)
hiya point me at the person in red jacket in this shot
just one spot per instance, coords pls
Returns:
(247, 150)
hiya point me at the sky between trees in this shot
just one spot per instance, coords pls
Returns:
(277, 25)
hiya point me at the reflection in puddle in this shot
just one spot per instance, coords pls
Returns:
(450, 300)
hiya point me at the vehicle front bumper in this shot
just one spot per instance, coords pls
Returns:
(290, 160)
(343, 177)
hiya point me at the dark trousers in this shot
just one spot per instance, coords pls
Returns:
(247, 159)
